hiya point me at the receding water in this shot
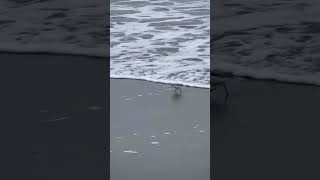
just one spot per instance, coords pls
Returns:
(54, 26)
(268, 40)
(161, 40)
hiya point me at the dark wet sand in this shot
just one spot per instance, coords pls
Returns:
(267, 130)
(54, 116)
(184, 154)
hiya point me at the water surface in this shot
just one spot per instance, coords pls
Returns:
(161, 40)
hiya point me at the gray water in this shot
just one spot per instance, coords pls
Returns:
(54, 26)
(161, 40)
(267, 40)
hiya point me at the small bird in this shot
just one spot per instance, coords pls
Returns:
(177, 89)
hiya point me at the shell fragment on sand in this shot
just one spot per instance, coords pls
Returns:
(155, 143)
(131, 152)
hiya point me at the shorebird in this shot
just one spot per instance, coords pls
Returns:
(177, 89)
(215, 84)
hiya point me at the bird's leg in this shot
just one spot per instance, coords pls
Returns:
(226, 89)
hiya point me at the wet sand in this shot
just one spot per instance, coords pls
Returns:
(54, 117)
(157, 135)
(267, 130)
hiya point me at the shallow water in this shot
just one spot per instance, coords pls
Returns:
(161, 40)
(155, 40)
(267, 40)
(55, 26)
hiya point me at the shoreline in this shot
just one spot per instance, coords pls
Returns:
(224, 75)
(218, 74)
(154, 81)
(221, 74)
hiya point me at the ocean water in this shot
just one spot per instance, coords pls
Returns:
(168, 40)
(54, 26)
(278, 40)
(156, 40)
(161, 40)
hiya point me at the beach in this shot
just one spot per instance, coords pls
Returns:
(268, 127)
(54, 116)
(266, 130)
(155, 134)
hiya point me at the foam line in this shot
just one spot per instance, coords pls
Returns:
(54, 48)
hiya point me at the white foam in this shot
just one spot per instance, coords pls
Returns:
(198, 85)
(80, 29)
(179, 61)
